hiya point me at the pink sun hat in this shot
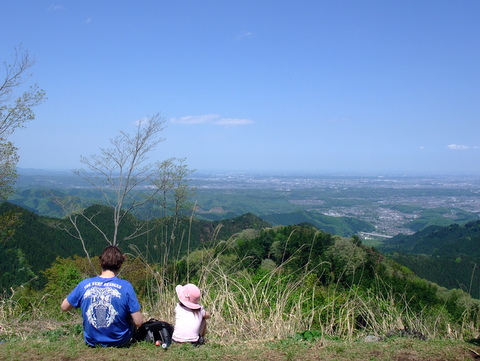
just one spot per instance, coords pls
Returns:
(189, 295)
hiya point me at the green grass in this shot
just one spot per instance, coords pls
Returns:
(372, 242)
(61, 343)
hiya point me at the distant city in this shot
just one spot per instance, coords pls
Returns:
(390, 203)
(376, 204)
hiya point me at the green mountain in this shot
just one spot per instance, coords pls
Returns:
(33, 246)
(245, 247)
(448, 256)
(38, 241)
(439, 241)
(342, 226)
(38, 200)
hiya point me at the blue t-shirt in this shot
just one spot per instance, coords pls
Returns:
(106, 304)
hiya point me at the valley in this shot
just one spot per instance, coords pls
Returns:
(392, 204)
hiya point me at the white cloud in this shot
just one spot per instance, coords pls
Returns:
(141, 121)
(241, 36)
(245, 34)
(195, 119)
(56, 7)
(457, 146)
(232, 121)
(211, 119)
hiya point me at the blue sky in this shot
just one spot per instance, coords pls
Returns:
(293, 86)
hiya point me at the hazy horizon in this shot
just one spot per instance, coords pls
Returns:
(25, 171)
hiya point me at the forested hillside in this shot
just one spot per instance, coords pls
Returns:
(32, 248)
(342, 226)
(39, 200)
(309, 278)
(449, 256)
(38, 241)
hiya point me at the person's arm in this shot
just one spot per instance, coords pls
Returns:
(207, 315)
(137, 318)
(66, 306)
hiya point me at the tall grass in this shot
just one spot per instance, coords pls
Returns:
(270, 304)
(23, 313)
(275, 304)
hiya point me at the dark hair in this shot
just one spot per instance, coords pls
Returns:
(111, 259)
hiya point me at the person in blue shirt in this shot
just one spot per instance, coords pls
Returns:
(109, 305)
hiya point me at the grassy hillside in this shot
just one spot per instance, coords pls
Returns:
(282, 292)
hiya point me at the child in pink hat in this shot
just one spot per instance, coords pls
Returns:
(190, 316)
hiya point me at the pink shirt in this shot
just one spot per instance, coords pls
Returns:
(187, 323)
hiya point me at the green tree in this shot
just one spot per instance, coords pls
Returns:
(346, 260)
(8, 167)
(17, 99)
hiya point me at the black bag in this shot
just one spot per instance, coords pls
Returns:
(154, 330)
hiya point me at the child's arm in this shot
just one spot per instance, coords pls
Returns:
(207, 315)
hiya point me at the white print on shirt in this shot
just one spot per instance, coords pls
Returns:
(101, 313)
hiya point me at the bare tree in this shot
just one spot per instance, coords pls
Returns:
(117, 171)
(173, 200)
(127, 181)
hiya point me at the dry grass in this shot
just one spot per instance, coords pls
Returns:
(276, 307)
